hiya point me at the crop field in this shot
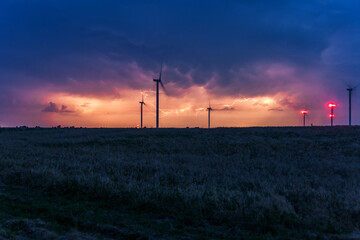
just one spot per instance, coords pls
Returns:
(225, 183)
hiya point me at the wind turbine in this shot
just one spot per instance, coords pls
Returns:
(349, 90)
(304, 112)
(142, 103)
(157, 96)
(331, 115)
(209, 109)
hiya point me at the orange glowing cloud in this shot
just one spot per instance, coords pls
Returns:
(175, 111)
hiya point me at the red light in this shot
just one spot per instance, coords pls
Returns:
(331, 105)
(331, 115)
(304, 111)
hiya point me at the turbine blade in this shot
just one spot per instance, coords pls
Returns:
(163, 87)
(160, 71)
(345, 82)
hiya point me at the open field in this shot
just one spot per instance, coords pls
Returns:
(251, 183)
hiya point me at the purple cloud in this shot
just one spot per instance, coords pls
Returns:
(52, 107)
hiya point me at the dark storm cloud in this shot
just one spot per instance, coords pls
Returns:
(231, 47)
(278, 109)
(52, 107)
(224, 109)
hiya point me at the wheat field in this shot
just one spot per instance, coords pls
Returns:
(225, 183)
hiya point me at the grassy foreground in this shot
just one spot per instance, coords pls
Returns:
(251, 183)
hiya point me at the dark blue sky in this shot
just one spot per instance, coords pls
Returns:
(308, 49)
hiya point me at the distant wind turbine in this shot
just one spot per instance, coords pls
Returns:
(331, 115)
(209, 109)
(157, 96)
(304, 112)
(350, 89)
(142, 103)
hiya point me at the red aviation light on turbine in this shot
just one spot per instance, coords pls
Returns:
(304, 111)
(331, 115)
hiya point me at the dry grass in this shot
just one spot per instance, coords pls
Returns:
(268, 180)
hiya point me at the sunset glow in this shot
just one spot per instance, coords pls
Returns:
(181, 111)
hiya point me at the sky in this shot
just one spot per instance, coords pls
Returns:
(257, 63)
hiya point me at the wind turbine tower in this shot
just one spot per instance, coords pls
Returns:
(304, 112)
(142, 103)
(209, 109)
(157, 96)
(331, 115)
(349, 90)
